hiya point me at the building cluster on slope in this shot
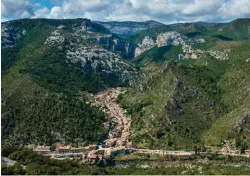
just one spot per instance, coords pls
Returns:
(119, 135)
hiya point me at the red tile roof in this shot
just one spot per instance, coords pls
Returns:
(61, 147)
(92, 152)
(94, 156)
(92, 146)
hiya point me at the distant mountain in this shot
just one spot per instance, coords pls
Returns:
(237, 29)
(128, 28)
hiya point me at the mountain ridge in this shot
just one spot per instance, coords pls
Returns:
(181, 84)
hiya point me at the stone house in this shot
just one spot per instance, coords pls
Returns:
(42, 149)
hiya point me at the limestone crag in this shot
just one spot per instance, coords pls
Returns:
(147, 44)
(126, 49)
(89, 50)
(10, 35)
(55, 38)
(169, 38)
(173, 38)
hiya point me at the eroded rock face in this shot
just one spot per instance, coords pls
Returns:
(127, 49)
(147, 44)
(55, 38)
(176, 39)
(92, 51)
(10, 35)
(124, 47)
(169, 38)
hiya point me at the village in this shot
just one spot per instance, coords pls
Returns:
(117, 141)
(87, 153)
(119, 135)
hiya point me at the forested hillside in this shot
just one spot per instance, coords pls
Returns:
(188, 83)
(47, 65)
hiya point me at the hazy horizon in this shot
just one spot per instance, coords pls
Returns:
(126, 20)
(164, 11)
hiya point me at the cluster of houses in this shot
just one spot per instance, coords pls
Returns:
(64, 151)
(119, 135)
(235, 152)
(229, 148)
(89, 153)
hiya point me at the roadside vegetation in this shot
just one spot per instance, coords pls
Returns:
(30, 163)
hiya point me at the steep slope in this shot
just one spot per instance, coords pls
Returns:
(34, 115)
(193, 102)
(236, 95)
(67, 45)
(195, 91)
(152, 32)
(237, 30)
(46, 65)
(178, 104)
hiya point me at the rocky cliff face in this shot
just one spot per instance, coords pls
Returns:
(147, 43)
(10, 35)
(169, 38)
(173, 38)
(125, 48)
(99, 51)
(87, 45)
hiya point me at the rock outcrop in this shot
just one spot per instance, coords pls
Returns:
(10, 35)
(126, 49)
(169, 38)
(147, 44)
(173, 38)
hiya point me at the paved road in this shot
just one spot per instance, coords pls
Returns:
(146, 151)
(163, 152)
